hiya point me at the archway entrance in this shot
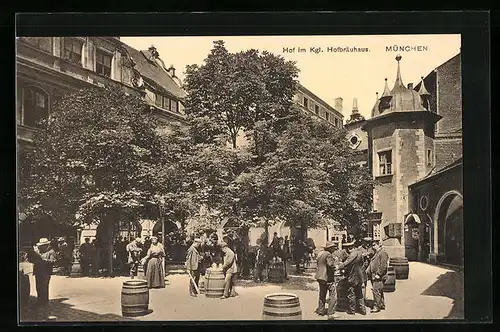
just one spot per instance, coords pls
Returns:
(173, 239)
(108, 233)
(450, 230)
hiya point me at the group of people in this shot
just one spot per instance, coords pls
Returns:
(203, 253)
(351, 267)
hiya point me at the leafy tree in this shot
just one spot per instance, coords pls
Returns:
(236, 90)
(97, 157)
(312, 175)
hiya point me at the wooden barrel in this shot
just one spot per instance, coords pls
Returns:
(135, 298)
(401, 267)
(311, 266)
(202, 285)
(390, 282)
(140, 273)
(281, 307)
(276, 272)
(214, 283)
(76, 270)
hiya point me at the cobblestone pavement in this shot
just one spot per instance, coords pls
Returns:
(431, 292)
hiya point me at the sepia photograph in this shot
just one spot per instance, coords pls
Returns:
(239, 178)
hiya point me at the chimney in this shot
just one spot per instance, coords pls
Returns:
(171, 70)
(355, 105)
(410, 86)
(338, 104)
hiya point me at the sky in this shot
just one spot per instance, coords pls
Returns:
(328, 74)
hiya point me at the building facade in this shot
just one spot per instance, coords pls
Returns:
(49, 67)
(312, 104)
(414, 151)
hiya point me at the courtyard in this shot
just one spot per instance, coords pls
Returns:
(430, 292)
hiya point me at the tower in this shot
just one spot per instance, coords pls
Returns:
(400, 140)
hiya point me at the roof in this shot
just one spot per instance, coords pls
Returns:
(154, 74)
(435, 172)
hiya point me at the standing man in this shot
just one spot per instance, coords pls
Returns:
(365, 250)
(85, 256)
(43, 257)
(353, 266)
(377, 272)
(229, 268)
(260, 262)
(325, 277)
(134, 256)
(194, 261)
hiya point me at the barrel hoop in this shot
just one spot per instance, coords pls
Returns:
(290, 301)
(284, 314)
(296, 305)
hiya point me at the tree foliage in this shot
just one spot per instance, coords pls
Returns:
(236, 90)
(98, 154)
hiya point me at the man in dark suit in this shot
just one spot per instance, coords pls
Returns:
(325, 277)
(377, 272)
(353, 267)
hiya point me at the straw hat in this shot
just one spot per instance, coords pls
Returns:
(330, 244)
(348, 244)
(367, 239)
(43, 241)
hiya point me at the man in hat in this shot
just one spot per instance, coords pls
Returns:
(229, 268)
(66, 255)
(353, 267)
(194, 260)
(325, 277)
(43, 257)
(377, 272)
(85, 256)
(366, 252)
(134, 250)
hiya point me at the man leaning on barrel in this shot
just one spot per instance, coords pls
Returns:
(325, 277)
(377, 272)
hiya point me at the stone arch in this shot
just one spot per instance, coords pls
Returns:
(441, 216)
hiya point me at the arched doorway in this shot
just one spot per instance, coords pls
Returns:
(450, 228)
(172, 236)
(107, 234)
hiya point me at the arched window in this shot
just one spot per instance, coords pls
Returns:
(35, 106)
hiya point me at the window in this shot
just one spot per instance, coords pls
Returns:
(376, 231)
(306, 102)
(174, 106)
(42, 43)
(385, 162)
(336, 122)
(159, 100)
(103, 63)
(429, 157)
(316, 109)
(327, 115)
(35, 106)
(73, 50)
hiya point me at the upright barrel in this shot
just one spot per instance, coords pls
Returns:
(276, 272)
(390, 282)
(401, 267)
(281, 306)
(76, 269)
(214, 283)
(135, 298)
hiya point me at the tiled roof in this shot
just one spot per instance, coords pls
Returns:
(154, 74)
(435, 171)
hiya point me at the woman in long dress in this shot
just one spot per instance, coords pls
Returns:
(155, 274)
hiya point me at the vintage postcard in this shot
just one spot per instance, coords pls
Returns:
(222, 178)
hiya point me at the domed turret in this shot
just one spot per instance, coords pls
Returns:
(400, 98)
